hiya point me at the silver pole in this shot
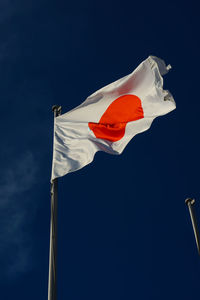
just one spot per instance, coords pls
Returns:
(52, 284)
(190, 202)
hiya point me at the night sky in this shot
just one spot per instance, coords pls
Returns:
(124, 230)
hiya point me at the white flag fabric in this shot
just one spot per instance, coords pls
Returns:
(108, 119)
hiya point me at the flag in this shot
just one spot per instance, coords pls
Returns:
(109, 118)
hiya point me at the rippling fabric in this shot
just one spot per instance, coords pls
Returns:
(108, 119)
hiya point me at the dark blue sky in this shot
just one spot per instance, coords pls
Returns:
(124, 230)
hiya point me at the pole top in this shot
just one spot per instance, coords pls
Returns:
(56, 108)
(189, 201)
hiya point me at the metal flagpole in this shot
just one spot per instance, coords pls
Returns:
(52, 284)
(190, 202)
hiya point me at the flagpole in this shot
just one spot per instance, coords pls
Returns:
(52, 284)
(190, 202)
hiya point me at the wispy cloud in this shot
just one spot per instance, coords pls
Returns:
(16, 211)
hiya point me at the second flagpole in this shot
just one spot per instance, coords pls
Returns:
(52, 284)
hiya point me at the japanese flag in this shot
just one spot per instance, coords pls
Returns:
(108, 119)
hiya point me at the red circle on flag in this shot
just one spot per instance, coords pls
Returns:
(113, 122)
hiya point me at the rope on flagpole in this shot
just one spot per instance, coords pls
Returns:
(52, 284)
